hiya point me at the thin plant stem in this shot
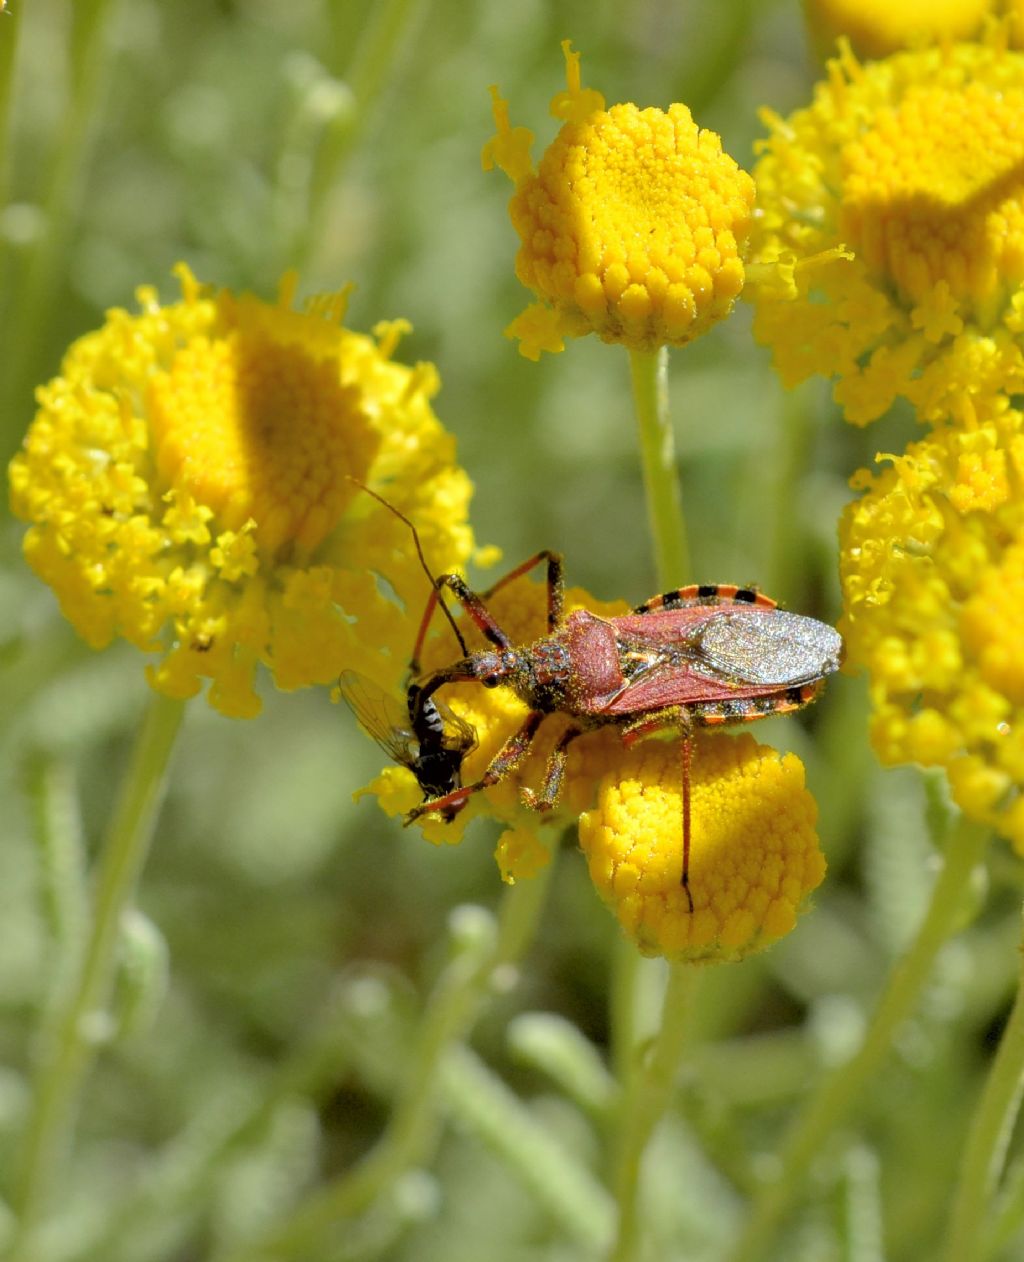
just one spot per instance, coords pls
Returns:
(839, 1090)
(88, 58)
(787, 567)
(387, 37)
(645, 1102)
(9, 44)
(412, 1129)
(555, 1176)
(645, 1088)
(69, 1044)
(658, 457)
(988, 1139)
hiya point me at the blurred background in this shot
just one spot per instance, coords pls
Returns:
(284, 930)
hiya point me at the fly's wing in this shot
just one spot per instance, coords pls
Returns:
(459, 735)
(773, 650)
(381, 716)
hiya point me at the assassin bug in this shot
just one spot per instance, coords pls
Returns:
(698, 656)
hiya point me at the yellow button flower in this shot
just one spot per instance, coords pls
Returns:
(188, 480)
(891, 231)
(876, 28)
(754, 851)
(932, 564)
(632, 225)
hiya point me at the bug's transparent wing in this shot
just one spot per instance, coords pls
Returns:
(775, 650)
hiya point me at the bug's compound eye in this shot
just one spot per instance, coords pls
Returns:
(490, 670)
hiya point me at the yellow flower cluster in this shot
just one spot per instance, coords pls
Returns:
(933, 574)
(631, 226)
(754, 858)
(890, 254)
(755, 853)
(188, 480)
(890, 234)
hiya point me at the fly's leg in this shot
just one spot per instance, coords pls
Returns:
(680, 718)
(505, 761)
(554, 773)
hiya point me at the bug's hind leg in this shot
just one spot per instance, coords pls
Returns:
(680, 718)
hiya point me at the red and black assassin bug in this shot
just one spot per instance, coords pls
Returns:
(698, 656)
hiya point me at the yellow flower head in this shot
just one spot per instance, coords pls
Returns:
(632, 225)
(188, 483)
(754, 851)
(891, 232)
(932, 563)
(876, 28)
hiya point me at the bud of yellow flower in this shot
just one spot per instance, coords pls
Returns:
(754, 857)
(631, 226)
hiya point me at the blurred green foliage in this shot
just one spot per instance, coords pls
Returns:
(273, 977)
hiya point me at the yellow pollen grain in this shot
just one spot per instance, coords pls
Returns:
(257, 430)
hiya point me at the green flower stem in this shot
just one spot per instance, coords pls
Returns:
(555, 1177)
(840, 1089)
(645, 1087)
(69, 1043)
(8, 49)
(88, 56)
(1008, 1215)
(661, 475)
(387, 37)
(413, 1127)
(988, 1139)
(644, 1103)
(788, 568)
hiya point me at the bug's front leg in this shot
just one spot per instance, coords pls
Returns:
(679, 718)
(505, 761)
(555, 584)
(476, 607)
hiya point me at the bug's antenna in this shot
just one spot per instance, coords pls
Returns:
(436, 597)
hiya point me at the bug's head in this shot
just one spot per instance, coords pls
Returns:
(495, 667)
